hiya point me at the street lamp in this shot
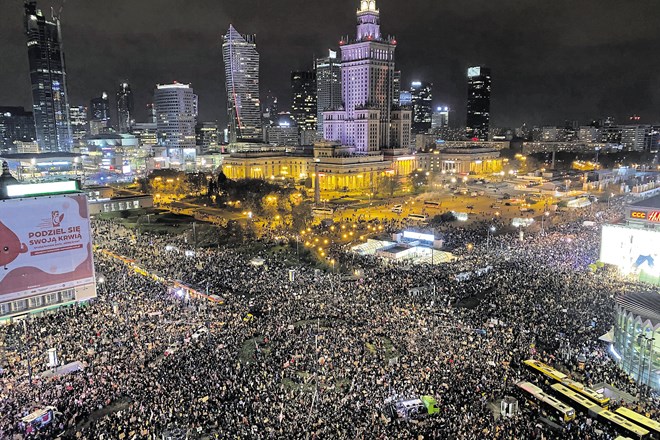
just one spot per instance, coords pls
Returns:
(491, 230)
(545, 214)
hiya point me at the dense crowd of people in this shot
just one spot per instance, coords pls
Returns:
(309, 354)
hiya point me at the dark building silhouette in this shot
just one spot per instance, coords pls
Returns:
(303, 104)
(124, 108)
(16, 124)
(478, 102)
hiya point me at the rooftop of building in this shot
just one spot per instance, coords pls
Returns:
(645, 305)
(37, 156)
(472, 149)
(174, 85)
(651, 202)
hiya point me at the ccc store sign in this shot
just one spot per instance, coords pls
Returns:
(638, 214)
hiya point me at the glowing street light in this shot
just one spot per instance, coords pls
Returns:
(491, 230)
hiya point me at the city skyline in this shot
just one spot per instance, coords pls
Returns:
(548, 64)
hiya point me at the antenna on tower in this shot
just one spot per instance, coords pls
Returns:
(59, 11)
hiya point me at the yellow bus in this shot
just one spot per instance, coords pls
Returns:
(558, 376)
(592, 394)
(578, 400)
(558, 409)
(546, 370)
(623, 425)
(645, 422)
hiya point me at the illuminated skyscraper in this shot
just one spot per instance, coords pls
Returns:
(328, 86)
(241, 60)
(78, 117)
(397, 87)
(48, 79)
(124, 108)
(422, 102)
(440, 118)
(303, 104)
(206, 134)
(478, 103)
(369, 121)
(99, 115)
(176, 110)
(151, 113)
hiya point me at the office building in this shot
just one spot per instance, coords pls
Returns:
(422, 103)
(440, 118)
(405, 98)
(478, 103)
(147, 133)
(283, 132)
(206, 136)
(16, 125)
(48, 80)
(303, 102)
(176, 110)
(99, 115)
(78, 118)
(635, 137)
(328, 86)
(269, 106)
(397, 88)
(588, 133)
(124, 108)
(241, 61)
(151, 113)
(369, 121)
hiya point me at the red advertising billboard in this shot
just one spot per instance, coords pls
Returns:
(45, 245)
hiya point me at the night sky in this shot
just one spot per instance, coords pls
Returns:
(551, 59)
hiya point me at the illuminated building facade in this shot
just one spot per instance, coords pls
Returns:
(241, 60)
(478, 103)
(147, 133)
(396, 98)
(124, 108)
(99, 115)
(367, 65)
(78, 118)
(461, 161)
(266, 165)
(422, 106)
(176, 110)
(206, 135)
(366, 135)
(303, 103)
(440, 118)
(48, 79)
(636, 341)
(633, 245)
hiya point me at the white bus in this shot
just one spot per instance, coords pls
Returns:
(418, 217)
(323, 212)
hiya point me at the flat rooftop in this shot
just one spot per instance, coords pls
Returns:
(651, 202)
(396, 249)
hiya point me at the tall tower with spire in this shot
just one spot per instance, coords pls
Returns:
(48, 79)
(369, 120)
(241, 60)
